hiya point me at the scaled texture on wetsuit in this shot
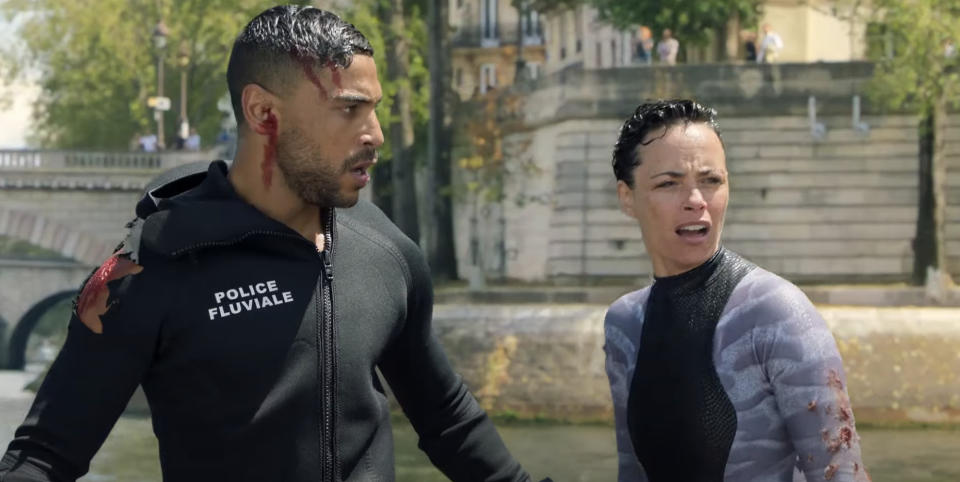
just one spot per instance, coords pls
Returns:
(779, 367)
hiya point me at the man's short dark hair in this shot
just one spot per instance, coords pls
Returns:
(651, 116)
(271, 49)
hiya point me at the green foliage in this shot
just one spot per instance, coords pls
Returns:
(909, 41)
(692, 21)
(364, 15)
(97, 64)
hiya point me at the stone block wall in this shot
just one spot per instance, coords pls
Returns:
(837, 209)
(953, 196)
(547, 360)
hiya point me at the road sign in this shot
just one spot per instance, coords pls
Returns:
(159, 103)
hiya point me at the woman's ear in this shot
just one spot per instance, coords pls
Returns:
(625, 194)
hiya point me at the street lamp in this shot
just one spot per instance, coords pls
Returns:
(160, 42)
(183, 59)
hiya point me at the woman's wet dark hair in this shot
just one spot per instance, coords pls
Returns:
(651, 116)
(272, 49)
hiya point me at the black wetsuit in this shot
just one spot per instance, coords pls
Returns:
(681, 422)
(258, 354)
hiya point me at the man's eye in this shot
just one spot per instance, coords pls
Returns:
(714, 180)
(666, 184)
(350, 109)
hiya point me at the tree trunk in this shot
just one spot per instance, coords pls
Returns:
(440, 240)
(404, 195)
(930, 244)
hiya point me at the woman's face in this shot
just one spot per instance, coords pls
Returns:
(679, 196)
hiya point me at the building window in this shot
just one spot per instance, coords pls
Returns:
(613, 53)
(533, 70)
(459, 77)
(488, 23)
(562, 36)
(532, 31)
(488, 77)
(578, 28)
(599, 55)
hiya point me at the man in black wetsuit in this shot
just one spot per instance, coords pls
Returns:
(254, 302)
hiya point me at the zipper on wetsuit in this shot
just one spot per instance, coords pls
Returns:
(326, 332)
(326, 335)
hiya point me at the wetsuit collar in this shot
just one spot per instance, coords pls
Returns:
(692, 278)
(208, 212)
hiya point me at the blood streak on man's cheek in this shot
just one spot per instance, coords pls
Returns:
(269, 129)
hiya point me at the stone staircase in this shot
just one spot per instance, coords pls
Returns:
(841, 208)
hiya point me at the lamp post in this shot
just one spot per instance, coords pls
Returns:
(183, 59)
(160, 42)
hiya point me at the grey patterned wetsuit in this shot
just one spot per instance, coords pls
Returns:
(768, 394)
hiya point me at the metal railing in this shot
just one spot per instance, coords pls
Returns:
(495, 35)
(44, 159)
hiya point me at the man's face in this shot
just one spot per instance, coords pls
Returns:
(329, 136)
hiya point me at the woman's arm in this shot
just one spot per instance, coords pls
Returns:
(804, 368)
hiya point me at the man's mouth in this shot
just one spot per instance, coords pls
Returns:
(362, 167)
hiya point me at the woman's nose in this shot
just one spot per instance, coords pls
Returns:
(695, 201)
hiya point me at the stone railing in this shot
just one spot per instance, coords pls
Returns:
(44, 159)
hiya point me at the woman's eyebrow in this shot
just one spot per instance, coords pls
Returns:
(668, 173)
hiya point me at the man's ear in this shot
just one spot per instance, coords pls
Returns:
(258, 103)
(625, 194)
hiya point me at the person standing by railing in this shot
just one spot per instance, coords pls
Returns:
(770, 46)
(668, 48)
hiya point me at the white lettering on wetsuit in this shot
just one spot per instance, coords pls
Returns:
(248, 298)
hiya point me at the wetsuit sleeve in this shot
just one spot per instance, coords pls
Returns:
(88, 385)
(803, 366)
(621, 356)
(454, 431)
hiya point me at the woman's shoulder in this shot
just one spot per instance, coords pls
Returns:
(628, 305)
(764, 296)
(624, 318)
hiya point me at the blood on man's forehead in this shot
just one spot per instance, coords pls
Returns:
(309, 69)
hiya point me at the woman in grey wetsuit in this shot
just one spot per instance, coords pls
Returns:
(720, 370)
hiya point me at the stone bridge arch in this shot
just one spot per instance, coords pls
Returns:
(29, 287)
(17, 347)
(84, 247)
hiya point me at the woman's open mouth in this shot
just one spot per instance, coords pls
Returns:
(693, 232)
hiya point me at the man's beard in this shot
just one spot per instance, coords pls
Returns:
(311, 177)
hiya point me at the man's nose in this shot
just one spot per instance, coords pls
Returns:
(373, 136)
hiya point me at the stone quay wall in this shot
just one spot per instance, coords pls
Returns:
(902, 363)
(838, 205)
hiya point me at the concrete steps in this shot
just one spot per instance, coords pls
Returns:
(838, 208)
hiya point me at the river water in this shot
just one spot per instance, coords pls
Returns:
(564, 452)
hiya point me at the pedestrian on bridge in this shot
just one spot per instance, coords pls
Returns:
(258, 303)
